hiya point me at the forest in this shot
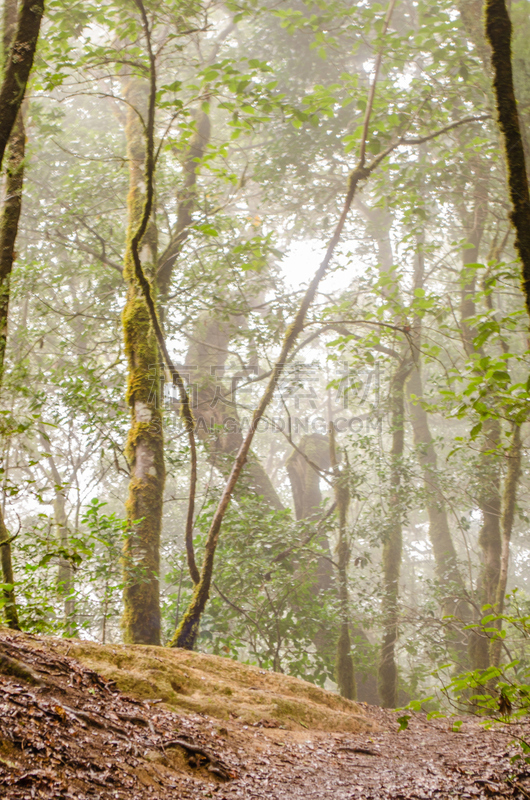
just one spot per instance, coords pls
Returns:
(264, 348)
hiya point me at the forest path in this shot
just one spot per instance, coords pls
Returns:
(66, 732)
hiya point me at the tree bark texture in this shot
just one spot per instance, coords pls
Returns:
(499, 34)
(13, 45)
(18, 66)
(10, 607)
(145, 443)
(471, 13)
(9, 224)
(473, 222)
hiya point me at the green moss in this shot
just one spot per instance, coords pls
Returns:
(220, 687)
(141, 559)
(499, 32)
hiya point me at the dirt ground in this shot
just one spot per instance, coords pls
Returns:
(67, 732)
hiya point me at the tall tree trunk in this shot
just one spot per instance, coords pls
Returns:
(393, 539)
(16, 141)
(65, 574)
(489, 502)
(489, 477)
(344, 667)
(9, 224)
(393, 543)
(8, 578)
(17, 66)
(473, 222)
(65, 577)
(499, 34)
(511, 481)
(186, 204)
(303, 469)
(8, 234)
(145, 442)
(445, 557)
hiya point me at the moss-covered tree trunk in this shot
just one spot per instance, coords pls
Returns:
(8, 234)
(19, 41)
(393, 542)
(8, 578)
(19, 52)
(9, 224)
(145, 443)
(511, 481)
(499, 35)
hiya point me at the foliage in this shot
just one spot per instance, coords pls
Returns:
(426, 273)
(266, 607)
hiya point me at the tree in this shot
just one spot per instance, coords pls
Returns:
(499, 34)
(20, 35)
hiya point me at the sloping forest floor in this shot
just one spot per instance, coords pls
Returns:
(68, 732)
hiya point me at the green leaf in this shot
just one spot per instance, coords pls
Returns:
(475, 430)
(207, 229)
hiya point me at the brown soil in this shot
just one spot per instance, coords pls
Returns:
(66, 732)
